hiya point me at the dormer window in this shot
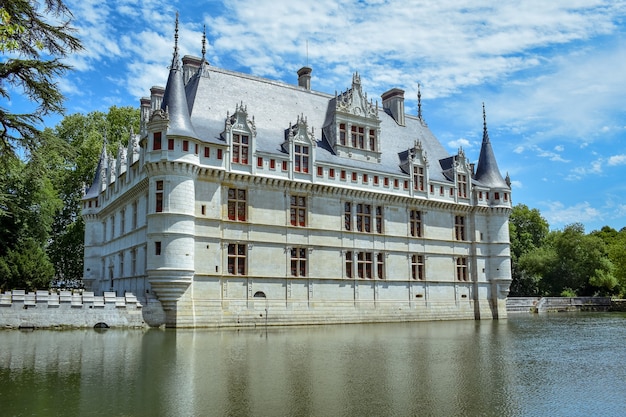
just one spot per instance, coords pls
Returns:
(301, 158)
(156, 141)
(241, 144)
(418, 178)
(239, 132)
(353, 131)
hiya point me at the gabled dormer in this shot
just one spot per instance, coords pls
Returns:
(458, 170)
(239, 133)
(414, 162)
(300, 144)
(122, 162)
(353, 128)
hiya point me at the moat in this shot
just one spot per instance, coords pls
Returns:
(528, 365)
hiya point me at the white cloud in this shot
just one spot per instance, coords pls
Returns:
(460, 143)
(559, 215)
(617, 160)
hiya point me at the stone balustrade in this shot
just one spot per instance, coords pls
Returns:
(51, 309)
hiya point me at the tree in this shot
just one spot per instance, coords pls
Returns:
(34, 46)
(25, 267)
(527, 230)
(83, 135)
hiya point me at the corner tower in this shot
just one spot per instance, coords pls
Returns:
(171, 171)
(497, 196)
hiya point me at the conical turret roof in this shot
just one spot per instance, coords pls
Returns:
(175, 99)
(487, 171)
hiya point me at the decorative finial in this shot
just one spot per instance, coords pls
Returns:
(485, 134)
(419, 102)
(204, 43)
(176, 36)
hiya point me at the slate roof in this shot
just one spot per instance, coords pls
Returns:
(275, 104)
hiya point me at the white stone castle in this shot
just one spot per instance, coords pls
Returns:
(246, 201)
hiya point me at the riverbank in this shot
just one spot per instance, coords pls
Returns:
(562, 304)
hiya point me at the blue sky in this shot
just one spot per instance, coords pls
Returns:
(552, 75)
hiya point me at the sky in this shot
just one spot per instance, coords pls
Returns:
(552, 75)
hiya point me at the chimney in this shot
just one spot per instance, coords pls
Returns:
(393, 103)
(145, 115)
(190, 67)
(304, 77)
(156, 97)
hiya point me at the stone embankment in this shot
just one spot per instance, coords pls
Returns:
(557, 304)
(67, 309)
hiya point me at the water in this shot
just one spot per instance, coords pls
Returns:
(528, 365)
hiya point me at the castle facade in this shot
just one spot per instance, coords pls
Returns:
(246, 201)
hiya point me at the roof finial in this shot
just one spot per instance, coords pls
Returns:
(176, 36)
(204, 43)
(485, 134)
(419, 102)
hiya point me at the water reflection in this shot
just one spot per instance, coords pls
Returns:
(528, 365)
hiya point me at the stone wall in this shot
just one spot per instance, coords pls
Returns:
(556, 304)
(44, 309)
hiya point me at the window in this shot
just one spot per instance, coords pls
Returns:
(272, 164)
(380, 266)
(298, 262)
(364, 265)
(207, 152)
(496, 196)
(375, 179)
(112, 226)
(123, 221)
(240, 148)
(134, 219)
(365, 179)
(418, 178)
(415, 222)
(349, 272)
(459, 227)
(298, 210)
(156, 141)
(301, 158)
(406, 185)
(284, 165)
(320, 171)
(386, 182)
(159, 197)
(237, 259)
(379, 219)
(195, 150)
(395, 183)
(343, 175)
(372, 140)
(157, 248)
(364, 218)
(342, 134)
(259, 162)
(203, 209)
(347, 216)
(461, 269)
(417, 267)
(219, 154)
(170, 144)
(358, 137)
(121, 256)
(133, 262)
(185, 145)
(462, 183)
(354, 176)
(237, 204)
(331, 173)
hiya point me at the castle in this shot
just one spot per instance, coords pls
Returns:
(246, 201)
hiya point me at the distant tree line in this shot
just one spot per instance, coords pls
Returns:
(565, 262)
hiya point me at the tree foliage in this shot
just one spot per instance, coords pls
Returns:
(44, 196)
(33, 40)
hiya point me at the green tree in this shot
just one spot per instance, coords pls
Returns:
(26, 267)
(527, 230)
(32, 47)
(84, 135)
(616, 250)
